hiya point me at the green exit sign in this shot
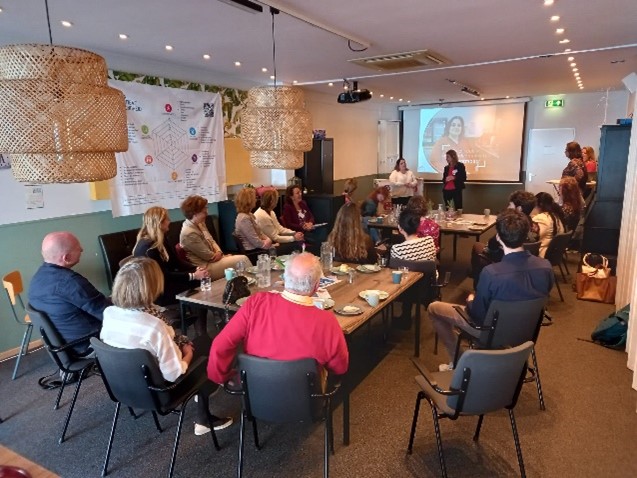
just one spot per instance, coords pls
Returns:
(554, 104)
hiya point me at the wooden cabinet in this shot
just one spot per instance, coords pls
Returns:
(603, 220)
(317, 173)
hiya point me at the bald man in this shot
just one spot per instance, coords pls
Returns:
(283, 326)
(72, 303)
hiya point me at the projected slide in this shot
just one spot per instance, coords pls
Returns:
(487, 138)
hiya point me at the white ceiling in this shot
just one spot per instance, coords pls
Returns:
(498, 47)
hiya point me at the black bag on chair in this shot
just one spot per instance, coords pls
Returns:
(236, 288)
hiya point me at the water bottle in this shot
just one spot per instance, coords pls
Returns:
(263, 271)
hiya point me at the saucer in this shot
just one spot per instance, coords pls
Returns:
(382, 295)
(324, 304)
(368, 268)
(348, 309)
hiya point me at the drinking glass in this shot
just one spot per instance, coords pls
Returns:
(272, 253)
(241, 268)
(206, 284)
(327, 256)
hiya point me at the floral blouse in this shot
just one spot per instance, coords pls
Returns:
(429, 227)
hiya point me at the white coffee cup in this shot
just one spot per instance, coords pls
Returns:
(372, 298)
(487, 212)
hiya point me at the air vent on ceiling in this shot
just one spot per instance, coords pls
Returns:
(402, 61)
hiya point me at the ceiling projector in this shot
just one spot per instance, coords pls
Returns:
(354, 96)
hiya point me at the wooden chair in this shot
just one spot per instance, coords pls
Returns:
(12, 283)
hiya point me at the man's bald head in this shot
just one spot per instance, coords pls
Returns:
(302, 274)
(61, 248)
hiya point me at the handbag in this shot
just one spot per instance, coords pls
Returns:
(595, 288)
(236, 288)
(595, 265)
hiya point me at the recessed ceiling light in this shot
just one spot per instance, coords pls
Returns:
(330, 84)
(555, 18)
(400, 99)
(294, 82)
(408, 101)
(559, 31)
(169, 47)
(382, 96)
(66, 23)
(581, 87)
(0, 9)
(264, 70)
(573, 64)
(548, 2)
(272, 77)
(507, 96)
(391, 97)
(566, 40)
(567, 50)
(575, 69)
(570, 58)
(206, 56)
(481, 99)
(123, 36)
(237, 63)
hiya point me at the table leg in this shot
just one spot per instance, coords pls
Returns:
(417, 327)
(346, 389)
(455, 246)
(182, 313)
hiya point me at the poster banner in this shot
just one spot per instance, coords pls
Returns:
(175, 149)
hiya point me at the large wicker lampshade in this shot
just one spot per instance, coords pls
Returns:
(60, 121)
(276, 128)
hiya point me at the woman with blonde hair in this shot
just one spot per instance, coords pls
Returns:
(135, 322)
(151, 242)
(349, 240)
(245, 225)
(270, 225)
(590, 161)
(201, 249)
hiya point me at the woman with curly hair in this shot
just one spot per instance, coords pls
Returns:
(575, 167)
(369, 209)
(349, 240)
(572, 202)
(549, 220)
(427, 227)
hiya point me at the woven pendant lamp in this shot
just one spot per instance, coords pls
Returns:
(275, 127)
(61, 122)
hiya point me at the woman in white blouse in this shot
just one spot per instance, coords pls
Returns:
(403, 182)
(270, 225)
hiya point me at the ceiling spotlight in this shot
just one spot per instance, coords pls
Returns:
(575, 69)
(330, 84)
(391, 97)
(264, 70)
(206, 56)
(566, 40)
(573, 64)
(272, 77)
(66, 23)
(382, 96)
(559, 31)
(294, 82)
(470, 91)
(555, 18)
(169, 48)
(237, 63)
(123, 36)
(567, 50)
(548, 2)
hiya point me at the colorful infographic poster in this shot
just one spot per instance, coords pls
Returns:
(175, 149)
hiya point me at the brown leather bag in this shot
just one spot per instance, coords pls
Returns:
(596, 289)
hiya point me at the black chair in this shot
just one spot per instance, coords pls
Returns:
(532, 247)
(132, 378)
(115, 247)
(65, 358)
(252, 254)
(484, 381)
(423, 293)
(282, 391)
(507, 324)
(555, 255)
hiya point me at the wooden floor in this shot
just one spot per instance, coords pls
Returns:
(8, 457)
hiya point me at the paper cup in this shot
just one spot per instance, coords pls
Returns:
(396, 276)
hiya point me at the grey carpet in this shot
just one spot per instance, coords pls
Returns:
(588, 429)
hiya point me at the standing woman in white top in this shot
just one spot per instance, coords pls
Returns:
(403, 182)
(270, 225)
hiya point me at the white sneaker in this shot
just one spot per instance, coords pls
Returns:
(445, 367)
(219, 424)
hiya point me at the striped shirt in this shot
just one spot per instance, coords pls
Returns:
(134, 329)
(418, 249)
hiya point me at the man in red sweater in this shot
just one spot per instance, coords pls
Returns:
(284, 326)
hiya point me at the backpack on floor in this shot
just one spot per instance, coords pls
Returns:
(613, 330)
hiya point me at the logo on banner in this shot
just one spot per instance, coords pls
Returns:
(168, 108)
(194, 158)
(192, 131)
(145, 129)
(148, 159)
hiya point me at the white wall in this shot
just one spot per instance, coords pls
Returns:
(354, 128)
(586, 112)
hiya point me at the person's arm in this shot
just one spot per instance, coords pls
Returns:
(85, 296)
(224, 346)
(309, 217)
(477, 306)
(461, 175)
(245, 228)
(194, 243)
(338, 360)
(169, 357)
(394, 178)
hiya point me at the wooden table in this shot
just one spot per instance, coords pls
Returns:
(10, 458)
(467, 225)
(342, 293)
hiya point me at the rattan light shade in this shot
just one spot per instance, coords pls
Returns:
(276, 128)
(60, 121)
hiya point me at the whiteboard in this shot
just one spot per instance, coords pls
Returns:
(545, 158)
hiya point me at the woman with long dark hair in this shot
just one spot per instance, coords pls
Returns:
(572, 202)
(349, 240)
(548, 220)
(453, 178)
(575, 167)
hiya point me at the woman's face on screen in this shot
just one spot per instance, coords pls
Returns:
(455, 127)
